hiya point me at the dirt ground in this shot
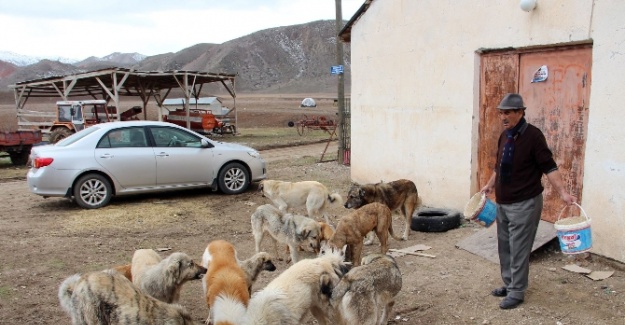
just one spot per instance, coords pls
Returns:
(43, 241)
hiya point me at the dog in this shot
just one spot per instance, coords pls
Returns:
(292, 195)
(225, 284)
(292, 230)
(163, 278)
(353, 228)
(108, 297)
(254, 265)
(305, 286)
(400, 195)
(365, 295)
(326, 232)
(125, 270)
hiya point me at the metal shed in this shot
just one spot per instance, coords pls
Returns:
(112, 83)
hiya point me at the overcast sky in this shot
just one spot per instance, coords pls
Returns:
(78, 29)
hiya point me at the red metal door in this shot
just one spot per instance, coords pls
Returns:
(557, 105)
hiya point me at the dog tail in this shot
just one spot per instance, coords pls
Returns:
(66, 290)
(335, 198)
(227, 310)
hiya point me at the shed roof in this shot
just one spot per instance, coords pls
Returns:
(129, 81)
(345, 34)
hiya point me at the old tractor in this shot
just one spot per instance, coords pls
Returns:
(73, 116)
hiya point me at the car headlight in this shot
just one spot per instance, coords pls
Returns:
(254, 154)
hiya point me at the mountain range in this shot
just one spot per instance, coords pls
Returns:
(288, 59)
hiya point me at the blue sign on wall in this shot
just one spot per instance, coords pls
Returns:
(336, 69)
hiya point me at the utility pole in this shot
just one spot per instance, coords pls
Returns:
(341, 82)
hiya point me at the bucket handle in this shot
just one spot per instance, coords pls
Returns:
(580, 208)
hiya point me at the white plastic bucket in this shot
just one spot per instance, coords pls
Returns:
(481, 209)
(574, 233)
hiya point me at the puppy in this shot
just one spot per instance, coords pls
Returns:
(125, 270)
(163, 278)
(305, 286)
(365, 295)
(326, 232)
(225, 284)
(254, 265)
(310, 194)
(353, 227)
(292, 230)
(400, 195)
(108, 297)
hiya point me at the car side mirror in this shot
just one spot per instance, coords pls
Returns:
(206, 144)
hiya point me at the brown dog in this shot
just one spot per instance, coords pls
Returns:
(225, 284)
(353, 227)
(397, 195)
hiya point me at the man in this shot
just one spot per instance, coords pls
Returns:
(522, 158)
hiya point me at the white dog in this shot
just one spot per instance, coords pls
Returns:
(305, 286)
(292, 195)
(163, 278)
(292, 230)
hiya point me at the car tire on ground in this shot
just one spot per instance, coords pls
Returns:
(92, 191)
(435, 220)
(233, 178)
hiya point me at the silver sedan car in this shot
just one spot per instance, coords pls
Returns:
(120, 158)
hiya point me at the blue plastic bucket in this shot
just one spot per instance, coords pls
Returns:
(574, 233)
(481, 209)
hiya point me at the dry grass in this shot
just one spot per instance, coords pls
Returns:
(131, 216)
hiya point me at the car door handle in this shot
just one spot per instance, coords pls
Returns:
(106, 156)
(163, 154)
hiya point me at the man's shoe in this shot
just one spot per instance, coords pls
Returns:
(499, 292)
(510, 303)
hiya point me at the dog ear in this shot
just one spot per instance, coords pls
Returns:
(326, 285)
(362, 192)
(174, 269)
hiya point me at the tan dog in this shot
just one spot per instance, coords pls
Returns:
(254, 265)
(400, 195)
(163, 278)
(366, 294)
(108, 297)
(305, 286)
(225, 284)
(292, 230)
(125, 270)
(353, 228)
(312, 195)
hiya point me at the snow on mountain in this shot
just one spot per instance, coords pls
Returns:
(21, 60)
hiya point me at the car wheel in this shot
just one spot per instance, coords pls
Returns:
(92, 191)
(59, 134)
(233, 178)
(435, 220)
(19, 158)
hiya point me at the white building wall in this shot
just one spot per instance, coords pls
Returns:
(415, 91)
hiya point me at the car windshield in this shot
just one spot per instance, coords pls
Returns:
(76, 136)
